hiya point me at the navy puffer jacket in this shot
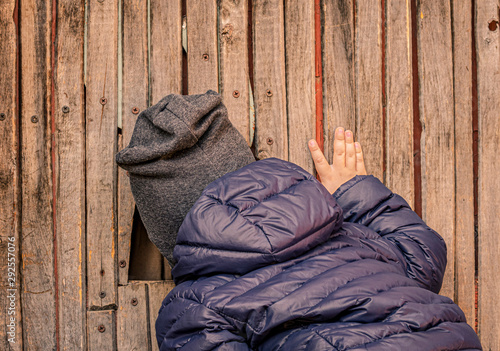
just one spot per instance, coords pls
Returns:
(268, 259)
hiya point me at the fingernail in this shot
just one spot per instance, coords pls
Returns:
(341, 131)
(312, 143)
(348, 133)
(356, 144)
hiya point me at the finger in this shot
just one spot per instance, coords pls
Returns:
(360, 162)
(320, 162)
(339, 148)
(350, 154)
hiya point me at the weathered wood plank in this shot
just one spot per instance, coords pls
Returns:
(69, 115)
(132, 318)
(435, 66)
(101, 330)
(368, 74)
(10, 225)
(399, 175)
(134, 99)
(233, 70)
(488, 76)
(202, 46)
(38, 296)
(165, 56)
(166, 49)
(101, 146)
(464, 198)
(157, 291)
(338, 70)
(269, 79)
(300, 80)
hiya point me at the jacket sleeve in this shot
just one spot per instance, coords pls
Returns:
(184, 322)
(365, 200)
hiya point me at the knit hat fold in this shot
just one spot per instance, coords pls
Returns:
(175, 123)
(179, 146)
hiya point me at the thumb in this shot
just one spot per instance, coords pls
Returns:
(320, 162)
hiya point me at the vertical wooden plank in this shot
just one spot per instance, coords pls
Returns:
(10, 226)
(435, 65)
(69, 116)
(202, 46)
(399, 105)
(157, 291)
(38, 297)
(134, 99)
(464, 198)
(300, 81)
(368, 72)
(165, 55)
(338, 69)
(101, 105)
(233, 70)
(488, 76)
(269, 79)
(165, 49)
(101, 330)
(132, 318)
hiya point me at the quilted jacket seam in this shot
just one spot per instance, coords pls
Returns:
(431, 265)
(327, 341)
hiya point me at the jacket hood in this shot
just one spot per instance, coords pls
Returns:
(267, 212)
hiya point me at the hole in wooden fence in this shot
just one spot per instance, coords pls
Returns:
(146, 261)
(493, 25)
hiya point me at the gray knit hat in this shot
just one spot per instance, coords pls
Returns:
(177, 148)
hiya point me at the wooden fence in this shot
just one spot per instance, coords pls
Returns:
(416, 80)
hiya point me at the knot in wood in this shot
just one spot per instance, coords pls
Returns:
(227, 32)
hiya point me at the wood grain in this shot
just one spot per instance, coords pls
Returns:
(101, 147)
(300, 81)
(464, 198)
(271, 137)
(157, 291)
(399, 175)
(165, 56)
(38, 278)
(202, 46)
(435, 66)
(165, 49)
(488, 76)
(69, 116)
(132, 321)
(368, 73)
(10, 225)
(338, 70)
(134, 99)
(101, 330)
(233, 70)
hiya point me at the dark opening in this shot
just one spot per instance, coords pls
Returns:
(146, 261)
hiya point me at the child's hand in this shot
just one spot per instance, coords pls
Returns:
(347, 160)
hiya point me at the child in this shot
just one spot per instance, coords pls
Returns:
(268, 258)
